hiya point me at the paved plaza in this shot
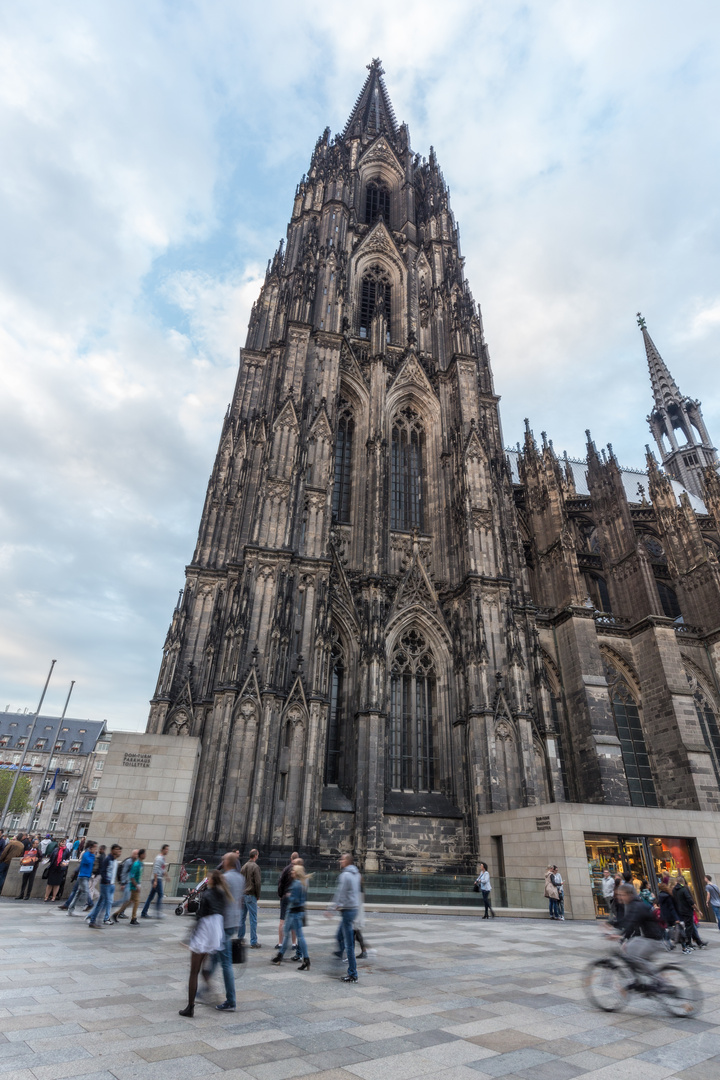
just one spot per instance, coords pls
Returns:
(452, 998)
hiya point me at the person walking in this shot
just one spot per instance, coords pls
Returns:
(551, 893)
(685, 904)
(347, 901)
(159, 870)
(669, 915)
(713, 897)
(485, 885)
(82, 891)
(56, 871)
(607, 887)
(283, 888)
(294, 919)
(108, 875)
(253, 883)
(209, 933)
(124, 879)
(559, 885)
(134, 879)
(235, 883)
(28, 869)
(14, 849)
(75, 848)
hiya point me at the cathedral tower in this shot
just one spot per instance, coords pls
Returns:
(355, 643)
(677, 425)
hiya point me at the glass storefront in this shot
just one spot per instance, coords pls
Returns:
(646, 857)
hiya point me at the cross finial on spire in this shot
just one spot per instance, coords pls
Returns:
(641, 322)
(376, 65)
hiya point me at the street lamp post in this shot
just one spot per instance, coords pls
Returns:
(26, 748)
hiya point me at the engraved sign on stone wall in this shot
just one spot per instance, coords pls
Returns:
(137, 761)
(542, 824)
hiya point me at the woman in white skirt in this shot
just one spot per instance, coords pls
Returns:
(209, 933)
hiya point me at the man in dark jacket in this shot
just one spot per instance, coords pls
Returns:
(685, 904)
(251, 873)
(284, 885)
(641, 931)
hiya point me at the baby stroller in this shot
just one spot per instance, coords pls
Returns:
(191, 902)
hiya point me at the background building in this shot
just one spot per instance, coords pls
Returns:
(65, 771)
(394, 634)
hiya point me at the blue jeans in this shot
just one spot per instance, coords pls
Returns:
(347, 917)
(80, 894)
(105, 901)
(249, 907)
(224, 958)
(294, 923)
(554, 908)
(4, 867)
(157, 890)
(716, 909)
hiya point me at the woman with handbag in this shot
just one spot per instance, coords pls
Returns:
(209, 933)
(484, 886)
(28, 869)
(551, 893)
(56, 871)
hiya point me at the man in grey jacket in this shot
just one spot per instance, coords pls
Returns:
(347, 901)
(236, 884)
(159, 871)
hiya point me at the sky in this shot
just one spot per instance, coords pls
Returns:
(150, 157)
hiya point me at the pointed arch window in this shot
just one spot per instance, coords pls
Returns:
(708, 720)
(408, 451)
(375, 290)
(343, 464)
(377, 203)
(335, 718)
(669, 601)
(632, 743)
(413, 721)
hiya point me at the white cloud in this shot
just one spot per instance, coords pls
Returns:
(150, 158)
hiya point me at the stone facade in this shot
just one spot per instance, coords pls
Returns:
(145, 795)
(392, 627)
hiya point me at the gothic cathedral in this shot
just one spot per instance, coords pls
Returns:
(391, 626)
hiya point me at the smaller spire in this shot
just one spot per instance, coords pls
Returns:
(373, 109)
(665, 389)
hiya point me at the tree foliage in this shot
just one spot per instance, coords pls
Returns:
(22, 795)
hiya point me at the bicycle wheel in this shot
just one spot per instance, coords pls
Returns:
(682, 995)
(606, 984)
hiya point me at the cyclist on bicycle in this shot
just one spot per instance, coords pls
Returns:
(641, 932)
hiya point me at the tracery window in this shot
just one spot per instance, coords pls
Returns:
(708, 720)
(669, 600)
(343, 464)
(337, 690)
(599, 592)
(377, 203)
(375, 291)
(634, 750)
(408, 448)
(413, 736)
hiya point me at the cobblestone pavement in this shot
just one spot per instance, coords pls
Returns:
(440, 997)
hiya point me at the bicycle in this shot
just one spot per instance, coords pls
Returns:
(612, 979)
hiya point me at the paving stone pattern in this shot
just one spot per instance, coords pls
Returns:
(440, 997)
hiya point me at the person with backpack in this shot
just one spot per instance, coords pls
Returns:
(685, 904)
(124, 880)
(134, 879)
(713, 896)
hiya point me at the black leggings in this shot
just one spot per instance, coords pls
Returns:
(486, 899)
(27, 883)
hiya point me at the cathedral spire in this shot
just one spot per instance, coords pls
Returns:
(373, 112)
(677, 424)
(665, 389)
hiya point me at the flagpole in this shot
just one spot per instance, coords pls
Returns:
(52, 750)
(26, 747)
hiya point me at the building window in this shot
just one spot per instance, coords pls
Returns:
(53, 824)
(35, 822)
(53, 763)
(21, 744)
(46, 784)
(343, 465)
(39, 744)
(599, 594)
(75, 747)
(412, 723)
(95, 783)
(99, 766)
(5, 740)
(70, 765)
(102, 747)
(408, 439)
(15, 822)
(668, 600)
(57, 808)
(377, 203)
(560, 743)
(337, 690)
(634, 751)
(89, 804)
(65, 786)
(375, 291)
(59, 746)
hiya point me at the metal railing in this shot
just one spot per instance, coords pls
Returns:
(433, 890)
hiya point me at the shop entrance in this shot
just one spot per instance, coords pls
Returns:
(646, 858)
